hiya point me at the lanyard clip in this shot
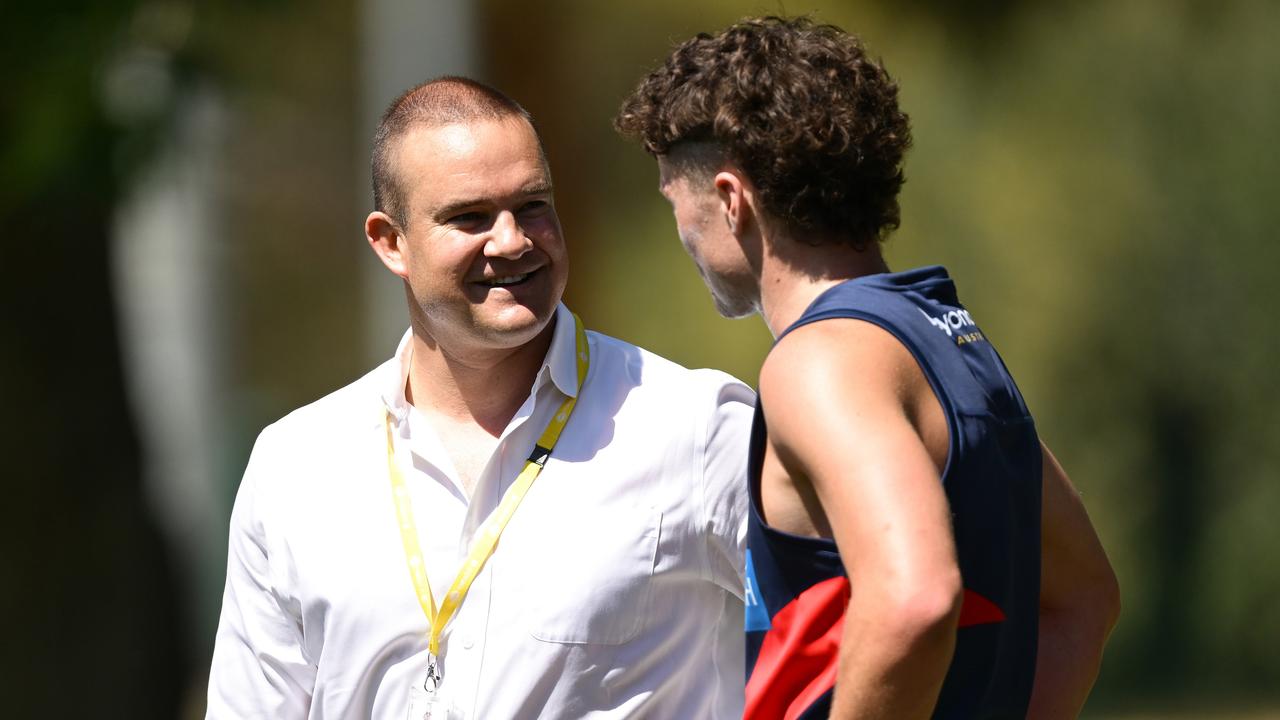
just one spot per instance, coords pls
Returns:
(432, 683)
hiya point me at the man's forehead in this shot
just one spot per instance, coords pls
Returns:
(450, 166)
(454, 138)
(465, 137)
(477, 147)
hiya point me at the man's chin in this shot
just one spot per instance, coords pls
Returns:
(514, 326)
(732, 308)
(735, 312)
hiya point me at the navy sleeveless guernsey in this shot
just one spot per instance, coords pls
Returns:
(797, 589)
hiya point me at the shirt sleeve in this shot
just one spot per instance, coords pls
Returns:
(259, 669)
(724, 475)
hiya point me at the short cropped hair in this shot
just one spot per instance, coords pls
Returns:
(799, 107)
(442, 101)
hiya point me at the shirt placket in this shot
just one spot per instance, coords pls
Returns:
(468, 636)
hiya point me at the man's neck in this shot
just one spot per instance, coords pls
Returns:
(795, 273)
(483, 388)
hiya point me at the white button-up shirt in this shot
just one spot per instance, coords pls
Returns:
(615, 591)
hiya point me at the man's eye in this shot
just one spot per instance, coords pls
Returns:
(534, 206)
(467, 219)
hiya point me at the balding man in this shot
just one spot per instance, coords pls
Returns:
(510, 518)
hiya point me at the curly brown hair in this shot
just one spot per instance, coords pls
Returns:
(799, 108)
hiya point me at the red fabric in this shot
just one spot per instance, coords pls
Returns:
(800, 654)
(977, 610)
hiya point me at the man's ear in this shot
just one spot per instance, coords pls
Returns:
(736, 201)
(387, 240)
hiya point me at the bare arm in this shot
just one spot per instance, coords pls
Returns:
(836, 396)
(1079, 600)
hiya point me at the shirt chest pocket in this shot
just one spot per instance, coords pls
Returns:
(588, 581)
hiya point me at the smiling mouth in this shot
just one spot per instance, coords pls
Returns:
(507, 280)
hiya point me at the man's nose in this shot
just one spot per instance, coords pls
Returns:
(508, 239)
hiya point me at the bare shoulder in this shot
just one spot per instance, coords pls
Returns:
(850, 375)
(833, 361)
(839, 396)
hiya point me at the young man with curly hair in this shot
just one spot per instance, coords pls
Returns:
(914, 549)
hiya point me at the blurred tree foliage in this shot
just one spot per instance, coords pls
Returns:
(1106, 191)
(94, 91)
(93, 624)
(1166, 389)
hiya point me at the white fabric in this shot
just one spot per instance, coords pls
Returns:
(615, 591)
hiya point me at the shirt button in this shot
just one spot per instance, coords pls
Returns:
(468, 642)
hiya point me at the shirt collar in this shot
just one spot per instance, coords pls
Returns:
(560, 363)
(561, 356)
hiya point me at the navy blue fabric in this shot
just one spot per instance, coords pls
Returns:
(992, 481)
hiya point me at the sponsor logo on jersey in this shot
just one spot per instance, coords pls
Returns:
(957, 324)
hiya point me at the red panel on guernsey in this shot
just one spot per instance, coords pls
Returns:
(800, 654)
(977, 610)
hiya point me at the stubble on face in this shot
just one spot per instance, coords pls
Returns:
(705, 235)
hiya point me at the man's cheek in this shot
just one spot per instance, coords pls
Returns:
(688, 239)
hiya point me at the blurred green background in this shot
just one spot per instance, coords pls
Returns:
(183, 186)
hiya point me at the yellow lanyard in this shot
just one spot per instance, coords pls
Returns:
(482, 547)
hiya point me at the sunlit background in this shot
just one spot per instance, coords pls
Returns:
(182, 187)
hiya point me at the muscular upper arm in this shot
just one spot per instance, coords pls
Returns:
(837, 395)
(1073, 566)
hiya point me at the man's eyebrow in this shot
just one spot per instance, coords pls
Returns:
(452, 208)
(538, 188)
